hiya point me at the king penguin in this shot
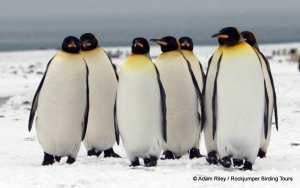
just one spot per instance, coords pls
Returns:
(103, 83)
(141, 106)
(187, 46)
(272, 106)
(182, 99)
(238, 101)
(210, 143)
(62, 104)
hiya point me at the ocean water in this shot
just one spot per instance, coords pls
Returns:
(48, 33)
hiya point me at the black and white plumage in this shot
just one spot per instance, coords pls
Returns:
(62, 104)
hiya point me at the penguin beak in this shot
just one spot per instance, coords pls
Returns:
(222, 36)
(160, 42)
(215, 35)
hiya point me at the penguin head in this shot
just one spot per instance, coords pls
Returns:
(186, 43)
(88, 42)
(221, 43)
(249, 37)
(167, 43)
(71, 44)
(140, 46)
(229, 36)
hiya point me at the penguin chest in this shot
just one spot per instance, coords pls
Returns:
(61, 105)
(138, 107)
(102, 93)
(240, 99)
(208, 94)
(181, 100)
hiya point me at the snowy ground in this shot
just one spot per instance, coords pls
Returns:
(21, 154)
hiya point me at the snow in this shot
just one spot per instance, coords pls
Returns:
(21, 155)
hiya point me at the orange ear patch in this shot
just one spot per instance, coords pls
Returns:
(140, 45)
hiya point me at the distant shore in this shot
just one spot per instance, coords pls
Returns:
(294, 43)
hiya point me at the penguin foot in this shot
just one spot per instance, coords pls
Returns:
(168, 155)
(178, 157)
(57, 158)
(111, 153)
(212, 158)
(226, 162)
(247, 166)
(70, 160)
(134, 163)
(237, 162)
(261, 154)
(48, 159)
(152, 161)
(195, 153)
(93, 152)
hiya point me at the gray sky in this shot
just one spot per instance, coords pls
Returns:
(44, 9)
(44, 22)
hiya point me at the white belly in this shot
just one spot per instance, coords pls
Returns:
(61, 106)
(240, 103)
(183, 126)
(103, 87)
(139, 109)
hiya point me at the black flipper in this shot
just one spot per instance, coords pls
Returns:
(266, 115)
(163, 104)
(117, 134)
(113, 65)
(208, 64)
(203, 119)
(214, 99)
(204, 84)
(202, 73)
(34, 104)
(199, 94)
(273, 88)
(87, 107)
